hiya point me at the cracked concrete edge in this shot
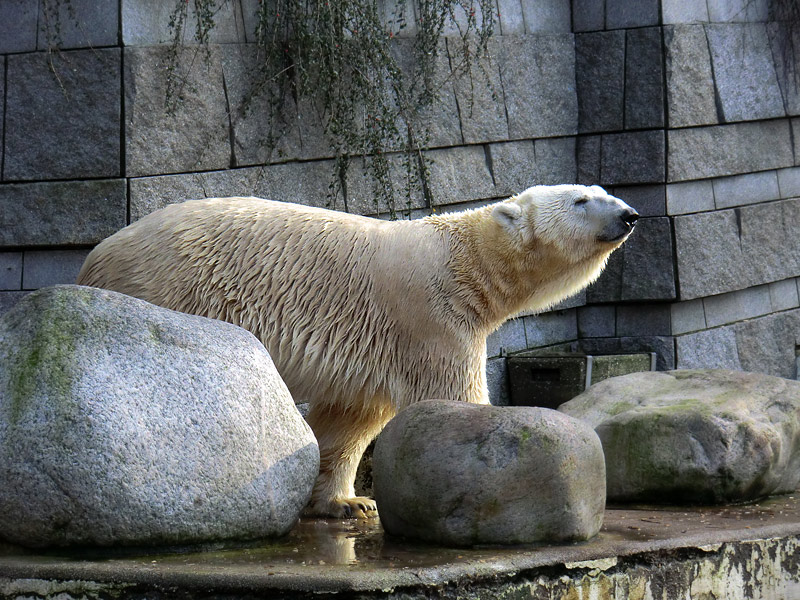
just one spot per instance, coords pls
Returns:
(20, 575)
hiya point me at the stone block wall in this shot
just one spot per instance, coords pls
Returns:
(687, 110)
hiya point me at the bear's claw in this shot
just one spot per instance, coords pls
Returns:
(358, 507)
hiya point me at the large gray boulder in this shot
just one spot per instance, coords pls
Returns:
(695, 436)
(125, 423)
(460, 474)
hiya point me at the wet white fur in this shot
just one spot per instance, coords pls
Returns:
(361, 316)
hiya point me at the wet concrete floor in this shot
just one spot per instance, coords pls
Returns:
(329, 555)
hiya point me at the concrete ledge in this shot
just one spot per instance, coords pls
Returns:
(742, 552)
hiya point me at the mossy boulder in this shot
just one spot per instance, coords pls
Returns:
(125, 423)
(460, 474)
(704, 436)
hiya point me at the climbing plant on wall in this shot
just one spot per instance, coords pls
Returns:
(342, 60)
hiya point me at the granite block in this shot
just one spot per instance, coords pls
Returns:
(146, 23)
(588, 15)
(518, 165)
(510, 17)
(9, 299)
(364, 197)
(608, 287)
(61, 213)
(42, 268)
(189, 131)
(481, 103)
(690, 197)
(10, 270)
(691, 96)
(497, 381)
(648, 270)
(737, 306)
(551, 328)
(751, 188)
(688, 316)
(784, 40)
(683, 11)
(600, 80)
(644, 79)
(648, 200)
(744, 72)
(554, 161)
(733, 249)
(509, 337)
(588, 158)
(400, 17)
(626, 14)
(547, 16)
(538, 73)
(730, 11)
(769, 235)
(789, 182)
(710, 349)
(643, 320)
(702, 152)
(18, 19)
(574, 301)
(77, 24)
(513, 165)
(709, 256)
(261, 132)
(304, 183)
(783, 295)
(63, 115)
(632, 157)
(797, 280)
(642, 269)
(768, 344)
(455, 25)
(2, 110)
(441, 119)
(148, 194)
(300, 182)
(597, 321)
(460, 174)
(794, 125)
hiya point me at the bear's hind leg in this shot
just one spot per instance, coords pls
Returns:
(343, 434)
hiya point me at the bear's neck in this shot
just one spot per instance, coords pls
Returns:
(493, 283)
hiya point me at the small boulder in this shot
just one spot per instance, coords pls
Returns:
(695, 436)
(460, 474)
(125, 423)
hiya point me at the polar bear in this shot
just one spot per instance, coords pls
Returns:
(364, 317)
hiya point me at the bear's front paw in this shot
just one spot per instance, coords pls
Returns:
(358, 507)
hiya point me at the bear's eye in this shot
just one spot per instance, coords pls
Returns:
(581, 201)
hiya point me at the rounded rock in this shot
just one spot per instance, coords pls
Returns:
(703, 436)
(460, 474)
(125, 423)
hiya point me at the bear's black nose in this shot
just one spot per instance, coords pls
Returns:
(630, 217)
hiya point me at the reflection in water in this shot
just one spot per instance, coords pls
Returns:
(315, 547)
(359, 544)
(356, 543)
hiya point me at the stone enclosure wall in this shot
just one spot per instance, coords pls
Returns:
(686, 109)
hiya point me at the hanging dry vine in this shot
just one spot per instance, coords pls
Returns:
(343, 59)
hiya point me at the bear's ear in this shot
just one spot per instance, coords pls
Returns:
(508, 214)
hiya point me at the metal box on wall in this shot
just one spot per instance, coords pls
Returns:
(549, 380)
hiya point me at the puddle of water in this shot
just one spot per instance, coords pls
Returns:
(317, 545)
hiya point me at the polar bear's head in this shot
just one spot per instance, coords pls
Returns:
(580, 221)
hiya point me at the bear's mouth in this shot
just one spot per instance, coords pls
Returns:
(617, 238)
(621, 229)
